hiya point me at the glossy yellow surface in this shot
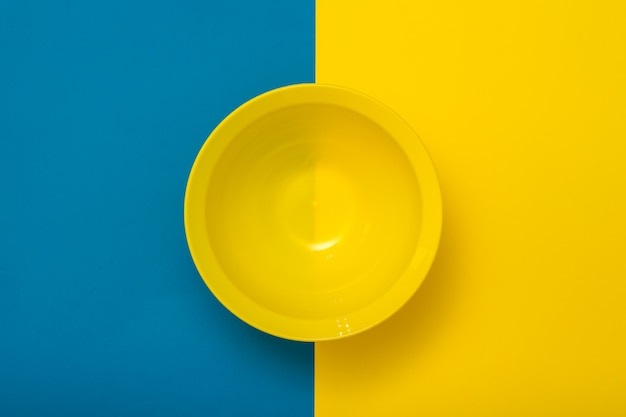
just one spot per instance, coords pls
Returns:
(313, 212)
(522, 105)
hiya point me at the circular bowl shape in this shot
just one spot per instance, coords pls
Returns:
(313, 212)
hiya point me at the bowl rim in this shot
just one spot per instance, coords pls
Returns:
(298, 328)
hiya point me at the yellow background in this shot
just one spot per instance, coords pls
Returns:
(522, 106)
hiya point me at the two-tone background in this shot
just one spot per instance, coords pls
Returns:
(104, 104)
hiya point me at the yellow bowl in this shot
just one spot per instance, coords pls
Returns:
(313, 212)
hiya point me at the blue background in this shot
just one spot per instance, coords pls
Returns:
(103, 107)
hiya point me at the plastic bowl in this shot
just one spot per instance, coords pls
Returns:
(313, 212)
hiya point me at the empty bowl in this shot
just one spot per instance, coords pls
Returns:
(313, 212)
